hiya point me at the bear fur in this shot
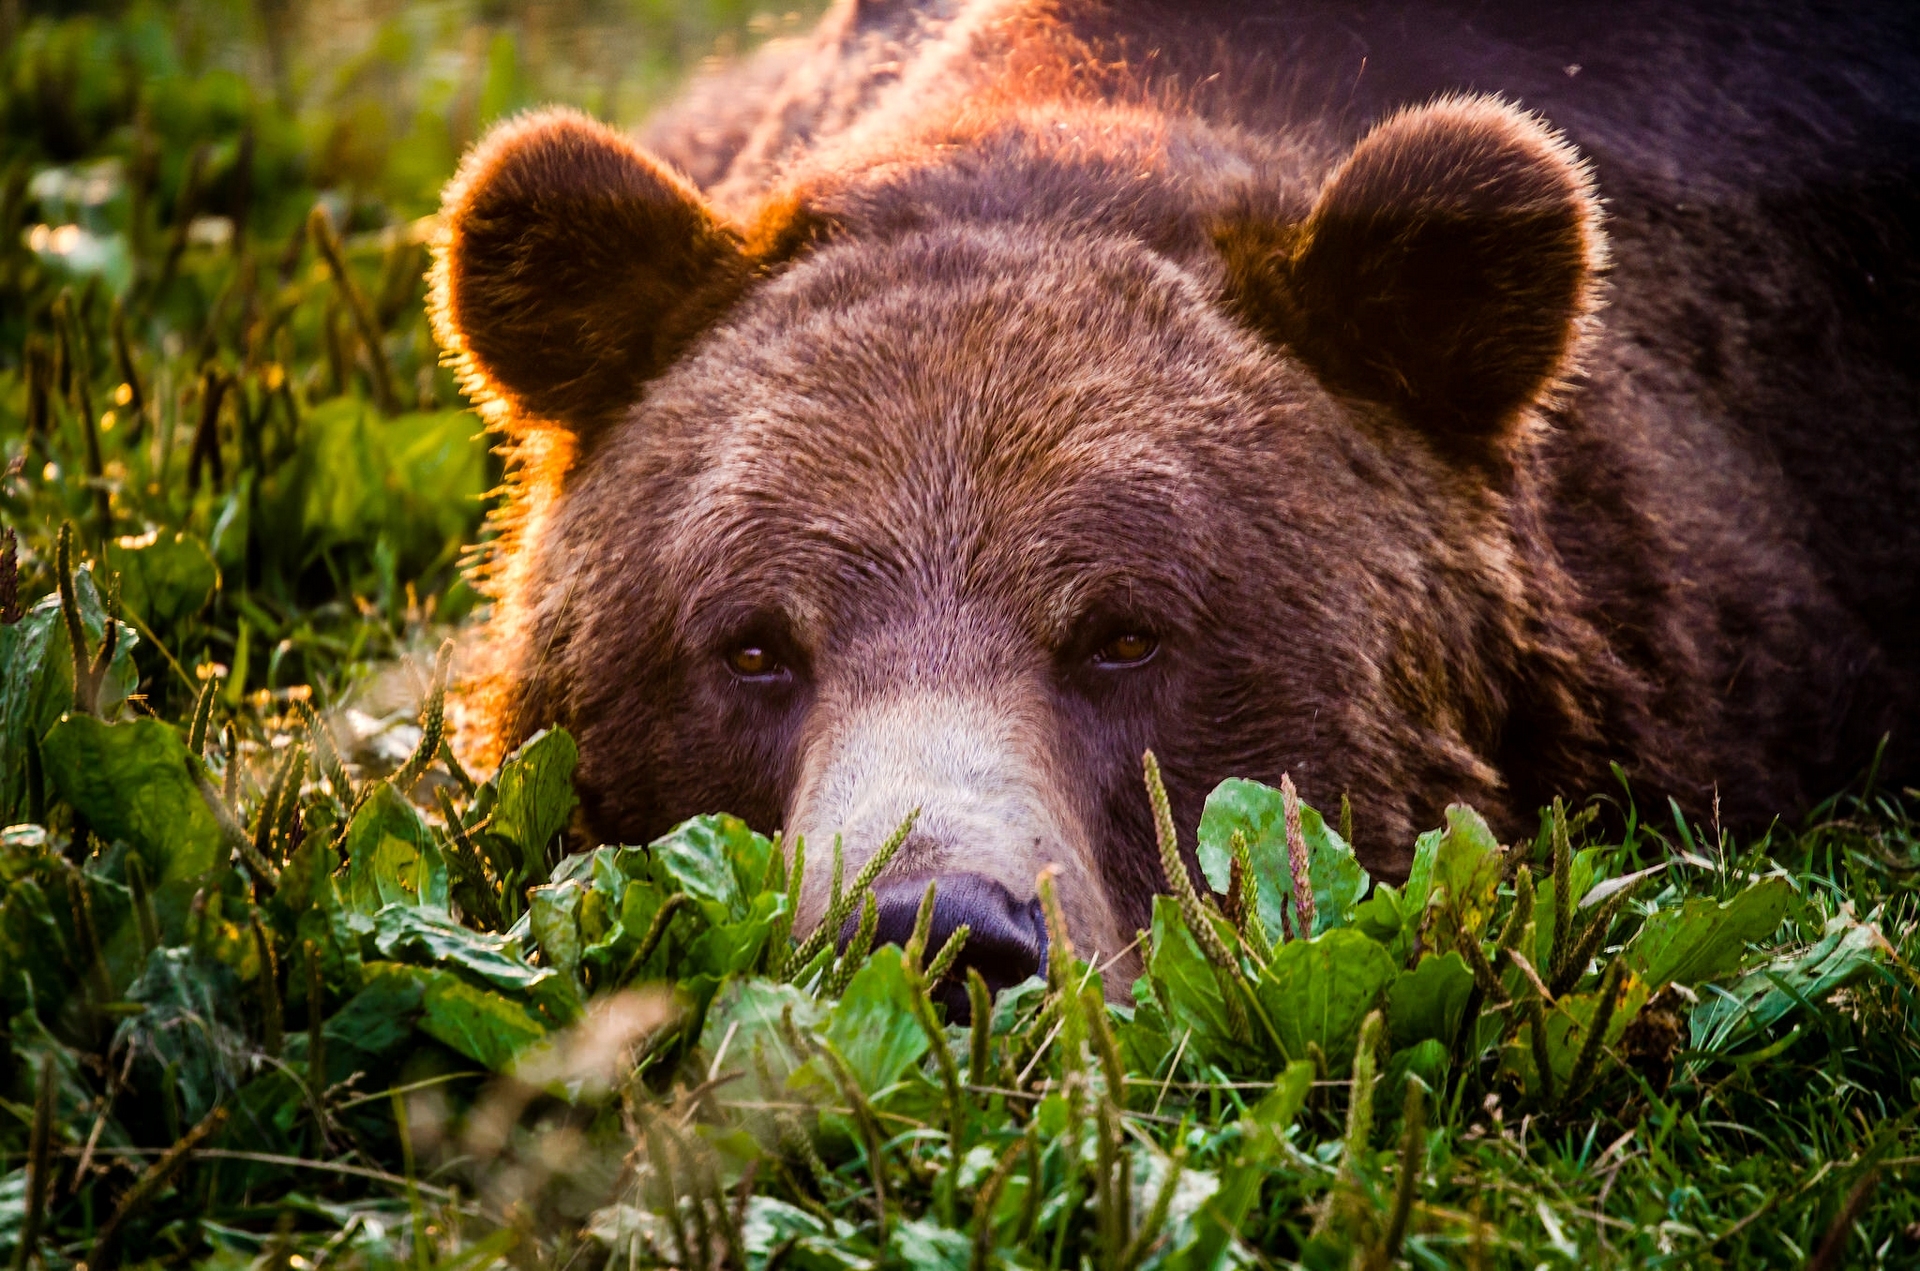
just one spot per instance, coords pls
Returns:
(1451, 400)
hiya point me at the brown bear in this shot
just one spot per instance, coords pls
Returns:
(949, 408)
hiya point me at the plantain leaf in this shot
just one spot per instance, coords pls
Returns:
(1188, 990)
(1568, 1021)
(553, 914)
(534, 796)
(487, 1027)
(1468, 865)
(1318, 991)
(1259, 812)
(392, 857)
(745, 1018)
(428, 937)
(699, 857)
(1427, 1002)
(133, 782)
(872, 1025)
(36, 680)
(1704, 940)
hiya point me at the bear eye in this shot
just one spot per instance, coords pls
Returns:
(1129, 648)
(754, 662)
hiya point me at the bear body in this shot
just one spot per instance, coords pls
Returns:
(949, 408)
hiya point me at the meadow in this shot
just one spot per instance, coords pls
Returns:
(284, 985)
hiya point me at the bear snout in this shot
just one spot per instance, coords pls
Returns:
(1006, 936)
(977, 771)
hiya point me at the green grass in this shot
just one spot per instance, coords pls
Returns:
(274, 992)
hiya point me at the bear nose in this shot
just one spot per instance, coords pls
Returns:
(1006, 938)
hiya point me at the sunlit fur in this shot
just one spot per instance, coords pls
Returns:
(1436, 476)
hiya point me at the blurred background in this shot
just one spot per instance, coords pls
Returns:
(214, 360)
(370, 103)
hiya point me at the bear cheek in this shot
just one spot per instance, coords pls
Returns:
(980, 768)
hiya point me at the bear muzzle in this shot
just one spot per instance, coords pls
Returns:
(990, 814)
(1006, 937)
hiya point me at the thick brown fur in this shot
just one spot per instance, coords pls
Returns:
(539, 298)
(997, 329)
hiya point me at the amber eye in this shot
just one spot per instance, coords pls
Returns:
(1129, 648)
(753, 661)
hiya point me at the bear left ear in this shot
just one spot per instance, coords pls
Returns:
(570, 268)
(1446, 269)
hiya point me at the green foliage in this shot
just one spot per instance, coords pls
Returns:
(267, 993)
(644, 991)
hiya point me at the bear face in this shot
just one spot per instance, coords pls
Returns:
(867, 513)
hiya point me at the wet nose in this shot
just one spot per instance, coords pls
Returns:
(1006, 938)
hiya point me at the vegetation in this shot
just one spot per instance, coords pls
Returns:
(281, 984)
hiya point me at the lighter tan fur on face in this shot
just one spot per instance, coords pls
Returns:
(979, 770)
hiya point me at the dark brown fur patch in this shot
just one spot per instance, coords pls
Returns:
(1445, 271)
(572, 267)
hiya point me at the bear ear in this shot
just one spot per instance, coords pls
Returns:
(1446, 270)
(570, 268)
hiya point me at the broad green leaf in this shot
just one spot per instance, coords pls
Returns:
(308, 901)
(1185, 985)
(1395, 918)
(611, 955)
(553, 911)
(771, 1224)
(925, 1243)
(1379, 915)
(1427, 1060)
(745, 1018)
(872, 1025)
(1702, 940)
(164, 578)
(729, 948)
(1580, 876)
(1277, 1108)
(1015, 1005)
(1728, 1017)
(189, 1031)
(581, 865)
(1413, 897)
(1469, 865)
(1568, 1021)
(716, 859)
(610, 871)
(535, 798)
(133, 782)
(379, 1018)
(266, 1114)
(487, 1027)
(597, 915)
(36, 680)
(1143, 1036)
(1319, 990)
(392, 858)
(1259, 812)
(430, 937)
(1427, 1001)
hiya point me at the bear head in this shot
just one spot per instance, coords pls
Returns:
(959, 478)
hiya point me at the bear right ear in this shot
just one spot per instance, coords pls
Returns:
(1446, 270)
(570, 268)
